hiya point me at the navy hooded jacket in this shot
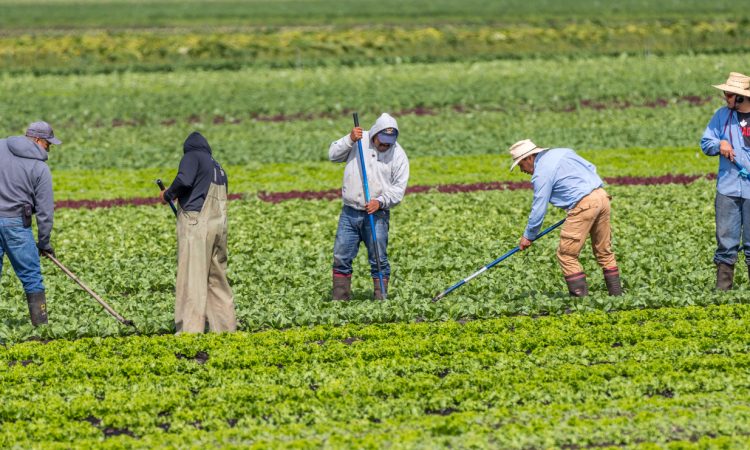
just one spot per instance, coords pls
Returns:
(197, 171)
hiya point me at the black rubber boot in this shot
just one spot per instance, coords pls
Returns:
(37, 308)
(724, 277)
(377, 295)
(342, 288)
(612, 280)
(577, 286)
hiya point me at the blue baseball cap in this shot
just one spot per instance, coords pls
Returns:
(388, 135)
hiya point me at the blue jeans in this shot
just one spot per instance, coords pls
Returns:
(18, 243)
(732, 227)
(354, 227)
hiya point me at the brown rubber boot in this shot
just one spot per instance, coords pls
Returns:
(724, 277)
(577, 286)
(612, 280)
(37, 308)
(377, 295)
(342, 288)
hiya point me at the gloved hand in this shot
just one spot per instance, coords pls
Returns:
(744, 173)
(48, 249)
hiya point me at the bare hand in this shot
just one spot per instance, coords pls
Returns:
(161, 196)
(356, 134)
(726, 150)
(373, 206)
(524, 243)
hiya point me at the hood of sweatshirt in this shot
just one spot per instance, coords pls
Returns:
(384, 121)
(24, 147)
(196, 143)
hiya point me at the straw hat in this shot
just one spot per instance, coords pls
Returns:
(522, 149)
(736, 83)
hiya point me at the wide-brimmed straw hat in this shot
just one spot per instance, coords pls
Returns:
(522, 149)
(737, 83)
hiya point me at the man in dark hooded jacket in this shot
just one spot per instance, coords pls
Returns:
(25, 190)
(203, 293)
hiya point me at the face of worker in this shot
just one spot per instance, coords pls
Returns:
(381, 147)
(527, 164)
(45, 144)
(731, 99)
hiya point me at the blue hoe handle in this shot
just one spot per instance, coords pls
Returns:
(492, 264)
(367, 200)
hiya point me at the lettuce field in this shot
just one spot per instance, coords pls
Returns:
(507, 361)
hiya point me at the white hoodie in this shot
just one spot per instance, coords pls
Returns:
(387, 172)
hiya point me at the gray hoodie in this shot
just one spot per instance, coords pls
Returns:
(387, 172)
(25, 179)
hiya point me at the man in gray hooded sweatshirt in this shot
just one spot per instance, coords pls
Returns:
(387, 175)
(26, 189)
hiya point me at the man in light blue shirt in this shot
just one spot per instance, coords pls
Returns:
(566, 180)
(728, 136)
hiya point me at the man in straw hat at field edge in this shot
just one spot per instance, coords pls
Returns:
(728, 135)
(566, 180)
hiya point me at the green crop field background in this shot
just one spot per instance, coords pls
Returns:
(507, 361)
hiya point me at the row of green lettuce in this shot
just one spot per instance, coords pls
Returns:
(280, 259)
(446, 133)
(72, 15)
(86, 103)
(665, 378)
(315, 176)
(106, 51)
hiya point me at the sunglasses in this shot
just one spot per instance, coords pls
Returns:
(729, 94)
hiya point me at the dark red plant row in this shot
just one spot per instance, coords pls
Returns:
(333, 194)
(691, 100)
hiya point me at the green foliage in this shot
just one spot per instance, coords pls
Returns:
(425, 171)
(77, 14)
(672, 378)
(87, 103)
(102, 51)
(280, 259)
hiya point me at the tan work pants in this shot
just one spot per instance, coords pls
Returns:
(203, 291)
(589, 216)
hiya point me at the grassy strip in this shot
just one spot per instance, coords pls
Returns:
(669, 377)
(102, 51)
(81, 14)
(281, 255)
(430, 171)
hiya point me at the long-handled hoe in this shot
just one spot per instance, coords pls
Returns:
(104, 304)
(491, 265)
(367, 200)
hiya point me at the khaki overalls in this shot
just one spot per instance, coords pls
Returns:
(203, 291)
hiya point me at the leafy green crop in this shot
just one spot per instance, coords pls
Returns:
(673, 378)
(425, 171)
(280, 260)
(87, 103)
(102, 51)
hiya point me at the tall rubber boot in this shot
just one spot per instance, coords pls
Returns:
(377, 295)
(724, 277)
(342, 288)
(37, 308)
(612, 280)
(577, 286)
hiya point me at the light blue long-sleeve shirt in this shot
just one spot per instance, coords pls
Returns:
(723, 124)
(562, 178)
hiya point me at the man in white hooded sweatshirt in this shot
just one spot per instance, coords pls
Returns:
(387, 175)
